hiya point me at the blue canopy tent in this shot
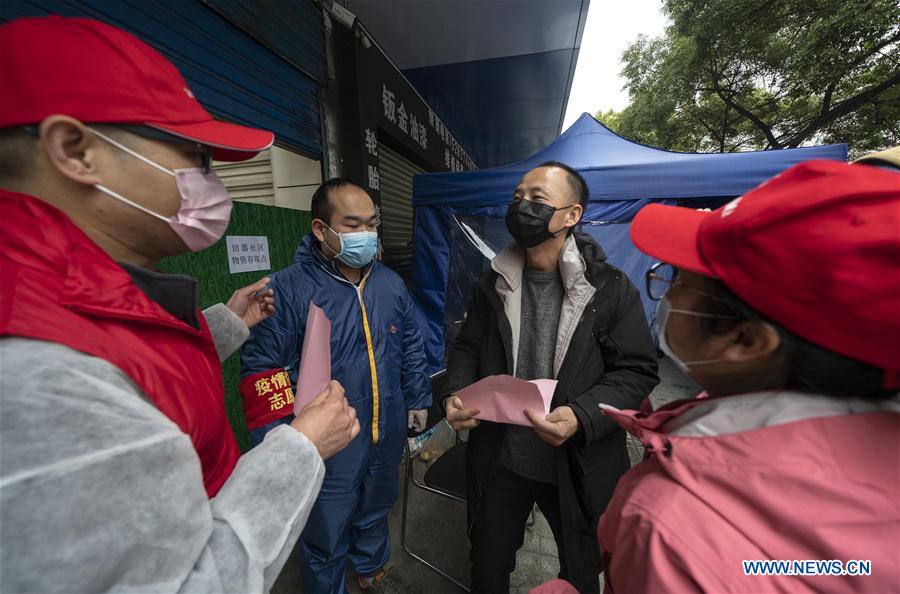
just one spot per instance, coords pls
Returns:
(459, 216)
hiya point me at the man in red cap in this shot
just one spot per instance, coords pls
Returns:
(785, 306)
(119, 469)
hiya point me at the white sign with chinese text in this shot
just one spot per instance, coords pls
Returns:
(247, 253)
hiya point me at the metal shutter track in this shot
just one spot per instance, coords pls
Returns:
(396, 175)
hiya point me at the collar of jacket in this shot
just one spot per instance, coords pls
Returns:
(42, 238)
(510, 265)
(728, 415)
(176, 293)
(580, 262)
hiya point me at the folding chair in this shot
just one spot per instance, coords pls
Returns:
(445, 477)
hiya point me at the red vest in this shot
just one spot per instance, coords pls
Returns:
(59, 286)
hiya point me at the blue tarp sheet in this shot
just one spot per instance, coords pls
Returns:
(622, 177)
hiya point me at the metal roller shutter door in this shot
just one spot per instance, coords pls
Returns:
(249, 181)
(396, 175)
(293, 28)
(234, 76)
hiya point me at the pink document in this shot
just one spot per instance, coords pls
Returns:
(315, 358)
(503, 398)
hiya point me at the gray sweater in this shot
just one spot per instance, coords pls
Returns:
(100, 491)
(523, 451)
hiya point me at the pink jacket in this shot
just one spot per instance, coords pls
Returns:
(769, 476)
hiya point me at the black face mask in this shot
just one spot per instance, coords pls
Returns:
(529, 222)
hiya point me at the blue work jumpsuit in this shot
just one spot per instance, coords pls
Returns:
(378, 356)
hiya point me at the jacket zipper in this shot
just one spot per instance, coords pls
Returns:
(369, 347)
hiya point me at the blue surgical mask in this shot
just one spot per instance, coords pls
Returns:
(357, 249)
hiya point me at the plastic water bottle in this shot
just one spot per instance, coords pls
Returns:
(416, 443)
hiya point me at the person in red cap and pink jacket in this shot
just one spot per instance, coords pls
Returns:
(785, 306)
(119, 470)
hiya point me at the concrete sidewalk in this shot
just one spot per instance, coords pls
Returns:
(436, 529)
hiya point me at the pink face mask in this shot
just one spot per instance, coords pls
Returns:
(205, 206)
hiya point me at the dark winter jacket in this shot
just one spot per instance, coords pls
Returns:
(604, 354)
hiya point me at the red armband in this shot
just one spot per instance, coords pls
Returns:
(268, 396)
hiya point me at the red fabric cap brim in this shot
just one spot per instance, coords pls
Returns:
(230, 142)
(669, 233)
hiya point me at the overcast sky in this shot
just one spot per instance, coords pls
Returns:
(610, 27)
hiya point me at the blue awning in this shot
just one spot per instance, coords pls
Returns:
(618, 169)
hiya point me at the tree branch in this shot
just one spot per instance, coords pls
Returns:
(724, 130)
(756, 121)
(843, 108)
(826, 100)
(713, 132)
(874, 50)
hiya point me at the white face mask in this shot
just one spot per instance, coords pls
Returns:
(205, 205)
(662, 319)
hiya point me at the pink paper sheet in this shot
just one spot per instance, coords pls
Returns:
(503, 398)
(315, 358)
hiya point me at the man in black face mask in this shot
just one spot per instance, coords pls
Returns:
(551, 307)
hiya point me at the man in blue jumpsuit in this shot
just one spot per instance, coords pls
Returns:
(376, 353)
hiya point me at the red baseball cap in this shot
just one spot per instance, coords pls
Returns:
(96, 73)
(815, 249)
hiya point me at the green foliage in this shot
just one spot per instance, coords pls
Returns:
(284, 227)
(757, 74)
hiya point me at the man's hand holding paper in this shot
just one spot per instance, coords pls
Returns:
(555, 428)
(501, 399)
(460, 417)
